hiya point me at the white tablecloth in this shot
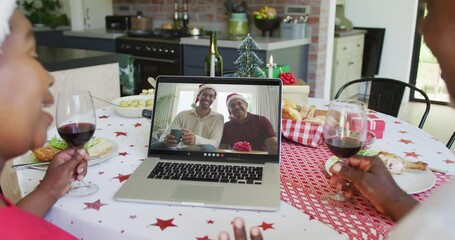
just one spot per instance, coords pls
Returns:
(99, 216)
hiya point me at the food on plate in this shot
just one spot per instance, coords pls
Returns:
(100, 148)
(46, 153)
(136, 103)
(398, 165)
(95, 147)
(308, 114)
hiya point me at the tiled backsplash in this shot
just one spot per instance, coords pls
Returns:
(211, 14)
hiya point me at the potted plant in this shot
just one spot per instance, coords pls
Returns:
(44, 13)
(238, 22)
(266, 20)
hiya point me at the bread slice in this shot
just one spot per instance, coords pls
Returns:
(46, 153)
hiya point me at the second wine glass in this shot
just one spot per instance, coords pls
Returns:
(76, 124)
(345, 132)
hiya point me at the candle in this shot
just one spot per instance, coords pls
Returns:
(270, 66)
(212, 65)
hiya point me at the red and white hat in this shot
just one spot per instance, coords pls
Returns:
(231, 97)
(202, 87)
(6, 11)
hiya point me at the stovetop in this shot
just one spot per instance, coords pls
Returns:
(156, 34)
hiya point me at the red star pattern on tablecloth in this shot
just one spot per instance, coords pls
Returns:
(163, 224)
(104, 116)
(123, 153)
(138, 125)
(412, 154)
(121, 177)
(94, 205)
(121, 134)
(266, 226)
(210, 221)
(405, 141)
(203, 238)
(448, 161)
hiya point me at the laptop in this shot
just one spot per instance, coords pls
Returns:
(244, 178)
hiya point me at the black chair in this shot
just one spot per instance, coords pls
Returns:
(385, 95)
(451, 140)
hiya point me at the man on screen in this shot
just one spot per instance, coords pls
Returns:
(197, 129)
(244, 126)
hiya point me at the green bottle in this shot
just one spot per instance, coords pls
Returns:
(213, 63)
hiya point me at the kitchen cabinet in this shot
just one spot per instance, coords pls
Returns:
(347, 62)
(285, 52)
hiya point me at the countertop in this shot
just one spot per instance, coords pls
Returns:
(95, 33)
(266, 43)
(343, 33)
(56, 59)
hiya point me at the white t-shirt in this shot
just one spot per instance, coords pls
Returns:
(434, 218)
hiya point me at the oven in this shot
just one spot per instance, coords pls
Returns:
(152, 55)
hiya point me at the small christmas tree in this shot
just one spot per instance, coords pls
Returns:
(248, 61)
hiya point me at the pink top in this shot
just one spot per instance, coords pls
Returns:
(18, 224)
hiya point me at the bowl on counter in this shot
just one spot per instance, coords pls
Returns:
(267, 25)
(132, 106)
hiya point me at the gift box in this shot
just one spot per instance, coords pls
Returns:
(308, 134)
(276, 70)
(297, 93)
(376, 125)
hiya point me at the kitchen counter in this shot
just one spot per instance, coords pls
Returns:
(56, 59)
(95, 33)
(266, 43)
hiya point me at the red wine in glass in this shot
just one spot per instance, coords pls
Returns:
(343, 147)
(77, 134)
(76, 124)
(344, 132)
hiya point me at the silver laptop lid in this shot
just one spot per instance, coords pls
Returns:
(177, 94)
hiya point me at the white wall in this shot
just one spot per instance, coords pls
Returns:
(399, 19)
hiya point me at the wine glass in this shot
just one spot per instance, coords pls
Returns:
(345, 132)
(76, 124)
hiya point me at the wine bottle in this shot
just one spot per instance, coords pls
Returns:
(213, 61)
(176, 22)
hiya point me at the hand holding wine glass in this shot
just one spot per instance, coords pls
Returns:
(345, 132)
(76, 124)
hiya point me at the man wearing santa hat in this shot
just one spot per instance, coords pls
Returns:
(202, 127)
(244, 126)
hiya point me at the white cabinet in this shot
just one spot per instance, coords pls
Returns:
(347, 62)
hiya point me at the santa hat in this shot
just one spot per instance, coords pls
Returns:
(6, 10)
(202, 87)
(232, 97)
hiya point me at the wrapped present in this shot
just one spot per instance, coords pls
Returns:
(306, 133)
(277, 70)
(376, 125)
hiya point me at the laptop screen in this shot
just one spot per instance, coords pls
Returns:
(204, 118)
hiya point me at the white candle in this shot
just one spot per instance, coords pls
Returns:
(270, 66)
(212, 65)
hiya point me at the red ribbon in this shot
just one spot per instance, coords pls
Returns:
(242, 146)
(287, 78)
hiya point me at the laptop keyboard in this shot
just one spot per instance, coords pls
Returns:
(207, 173)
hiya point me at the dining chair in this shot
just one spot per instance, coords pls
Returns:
(451, 140)
(384, 95)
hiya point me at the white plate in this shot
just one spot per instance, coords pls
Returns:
(412, 181)
(29, 157)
